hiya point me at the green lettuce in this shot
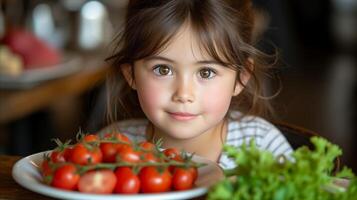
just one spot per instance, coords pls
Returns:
(307, 175)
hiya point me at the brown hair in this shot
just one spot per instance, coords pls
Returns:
(224, 28)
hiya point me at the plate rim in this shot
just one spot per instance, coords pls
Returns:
(63, 194)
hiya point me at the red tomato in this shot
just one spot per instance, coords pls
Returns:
(118, 136)
(192, 170)
(97, 182)
(127, 181)
(154, 181)
(127, 154)
(182, 179)
(147, 146)
(68, 153)
(84, 156)
(58, 156)
(61, 155)
(91, 138)
(122, 138)
(65, 177)
(109, 151)
(173, 154)
(45, 168)
(46, 172)
(194, 173)
(149, 157)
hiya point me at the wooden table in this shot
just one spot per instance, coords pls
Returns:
(15, 104)
(9, 189)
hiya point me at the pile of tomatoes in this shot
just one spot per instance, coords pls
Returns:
(114, 164)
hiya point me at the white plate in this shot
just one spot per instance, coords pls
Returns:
(26, 173)
(70, 63)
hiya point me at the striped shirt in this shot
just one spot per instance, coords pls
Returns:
(239, 131)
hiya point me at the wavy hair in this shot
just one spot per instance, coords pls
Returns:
(224, 29)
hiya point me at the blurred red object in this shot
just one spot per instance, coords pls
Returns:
(34, 52)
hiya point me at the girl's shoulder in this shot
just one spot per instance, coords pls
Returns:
(238, 122)
(135, 129)
(243, 129)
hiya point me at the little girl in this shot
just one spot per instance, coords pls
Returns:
(186, 71)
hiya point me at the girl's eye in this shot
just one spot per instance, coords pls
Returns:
(162, 70)
(207, 73)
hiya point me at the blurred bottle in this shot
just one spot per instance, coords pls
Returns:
(43, 25)
(344, 23)
(95, 30)
(80, 25)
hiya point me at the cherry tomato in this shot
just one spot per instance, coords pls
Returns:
(45, 168)
(97, 182)
(118, 136)
(58, 156)
(148, 150)
(182, 179)
(62, 152)
(149, 157)
(147, 146)
(46, 171)
(127, 154)
(68, 153)
(192, 170)
(194, 173)
(109, 151)
(83, 155)
(127, 181)
(152, 180)
(173, 154)
(91, 138)
(65, 177)
(122, 138)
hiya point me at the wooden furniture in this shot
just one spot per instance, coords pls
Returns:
(9, 189)
(299, 136)
(21, 110)
(15, 104)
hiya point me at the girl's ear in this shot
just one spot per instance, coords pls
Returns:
(244, 77)
(127, 71)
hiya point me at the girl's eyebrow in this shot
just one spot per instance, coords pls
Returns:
(172, 61)
(159, 58)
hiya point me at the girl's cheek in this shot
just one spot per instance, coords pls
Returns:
(150, 95)
(216, 101)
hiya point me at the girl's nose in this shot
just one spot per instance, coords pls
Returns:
(184, 92)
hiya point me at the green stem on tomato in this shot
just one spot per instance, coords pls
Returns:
(112, 166)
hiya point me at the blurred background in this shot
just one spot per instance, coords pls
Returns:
(52, 69)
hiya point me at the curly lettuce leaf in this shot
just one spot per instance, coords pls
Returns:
(307, 175)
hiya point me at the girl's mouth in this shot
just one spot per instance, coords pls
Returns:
(181, 116)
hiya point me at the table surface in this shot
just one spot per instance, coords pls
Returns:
(9, 189)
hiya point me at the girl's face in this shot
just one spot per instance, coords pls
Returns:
(183, 91)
